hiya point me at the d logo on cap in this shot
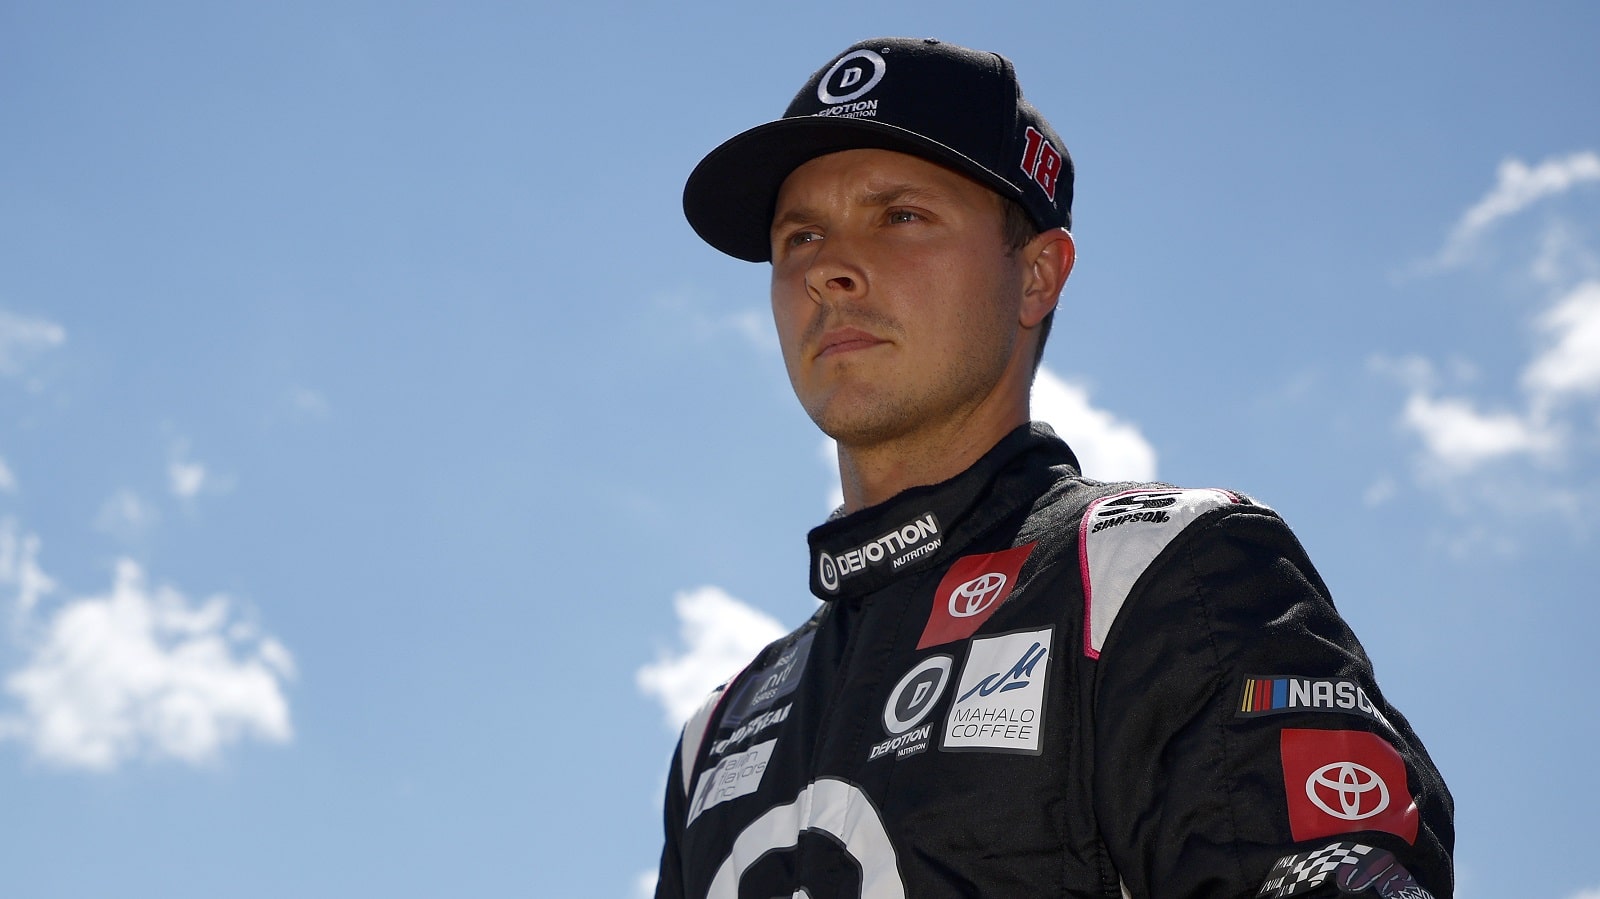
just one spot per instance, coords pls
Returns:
(851, 76)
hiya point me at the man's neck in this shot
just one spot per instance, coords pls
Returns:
(873, 473)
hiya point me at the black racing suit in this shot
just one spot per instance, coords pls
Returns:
(1024, 683)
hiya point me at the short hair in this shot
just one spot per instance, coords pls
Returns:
(1017, 230)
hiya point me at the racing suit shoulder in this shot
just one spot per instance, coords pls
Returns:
(669, 877)
(694, 733)
(777, 666)
(1242, 745)
(1121, 534)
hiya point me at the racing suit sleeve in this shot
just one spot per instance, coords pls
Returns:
(669, 877)
(1211, 779)
(674, 809)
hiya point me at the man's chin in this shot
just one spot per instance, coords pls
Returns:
(862, 424)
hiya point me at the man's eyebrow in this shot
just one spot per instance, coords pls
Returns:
(795, 215)
(899, 193)
(888, 196)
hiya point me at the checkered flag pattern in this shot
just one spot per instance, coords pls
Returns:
(1296, 874)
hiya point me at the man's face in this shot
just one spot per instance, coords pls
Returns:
(896, 299)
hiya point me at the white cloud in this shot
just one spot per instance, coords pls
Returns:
(1482, 461)
(142, 672)
(751, 327)
(125, 516)
(22, 338)
(1571, 363)
(19, 568)
(1555, 416)
(307, 403)
(690, 312)
(1563, 257)
(1517, 187)
(186, 478)
(1459, 437)
(1414, 372)
(1108, 448)
(755, 327)
(1378, 492)
(721, 635)
(644, 886)
(1592, 893)
(8, 481)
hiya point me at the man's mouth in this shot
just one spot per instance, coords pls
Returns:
(846, 340)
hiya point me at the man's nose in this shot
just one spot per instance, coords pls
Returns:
(833, 274)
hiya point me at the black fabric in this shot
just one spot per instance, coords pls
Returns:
(1146, 774)
(954, 106)
(965, 507)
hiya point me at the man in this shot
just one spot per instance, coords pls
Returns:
(1021, 682)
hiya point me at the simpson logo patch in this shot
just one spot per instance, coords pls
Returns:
(970, 592)
(1118, 539)
(999, 702)
(1148, 506)
(1276, 695)
(1340, 781)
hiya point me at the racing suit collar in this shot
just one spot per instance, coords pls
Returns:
(917, 529)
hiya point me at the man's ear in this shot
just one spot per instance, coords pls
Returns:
(1049, 258)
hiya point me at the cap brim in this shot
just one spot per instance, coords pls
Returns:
(730, 196)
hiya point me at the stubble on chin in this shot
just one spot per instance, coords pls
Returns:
(859, 416)
(848, 403)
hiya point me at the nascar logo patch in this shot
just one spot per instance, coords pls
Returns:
(1279, 694)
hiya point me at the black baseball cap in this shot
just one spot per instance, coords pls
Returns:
(958, 107)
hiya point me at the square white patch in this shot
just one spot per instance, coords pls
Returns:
(737, 775)
(999, 703)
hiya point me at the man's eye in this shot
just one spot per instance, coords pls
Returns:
(803, 237)
(903, 215)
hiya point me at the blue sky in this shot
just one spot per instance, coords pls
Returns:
(383, 460)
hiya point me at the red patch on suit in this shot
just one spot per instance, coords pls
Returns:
(970, 592)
